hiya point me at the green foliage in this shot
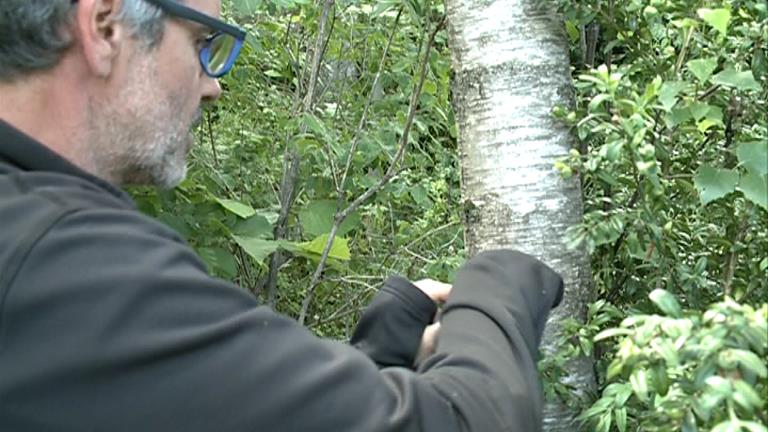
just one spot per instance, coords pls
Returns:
(229, 207)
(673, 138)
(673, 147)
(672, 128)
(686, 371)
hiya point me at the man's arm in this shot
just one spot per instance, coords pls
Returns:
(391, 327)
(113, 325)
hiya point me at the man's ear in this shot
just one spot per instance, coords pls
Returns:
(101, 35)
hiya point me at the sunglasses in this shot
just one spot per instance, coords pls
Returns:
(219, 50)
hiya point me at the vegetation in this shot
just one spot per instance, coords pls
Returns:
(336, 125)
(673, 131)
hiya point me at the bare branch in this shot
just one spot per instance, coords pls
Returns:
(391, 171)
(292, 159)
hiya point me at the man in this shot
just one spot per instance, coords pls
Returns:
(108, 321)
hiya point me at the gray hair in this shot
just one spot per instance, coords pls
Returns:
(34, 35)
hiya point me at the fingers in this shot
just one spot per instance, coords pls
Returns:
(437, 291)
(428, 342)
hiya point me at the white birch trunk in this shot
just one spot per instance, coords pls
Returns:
(511, 65)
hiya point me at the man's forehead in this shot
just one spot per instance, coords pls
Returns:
(208, 7)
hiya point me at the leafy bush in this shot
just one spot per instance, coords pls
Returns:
(686, 371)
(672, 123)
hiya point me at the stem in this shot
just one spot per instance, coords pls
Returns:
(684, 51)
(730, 262)
(211, 139)
(391, 171)
(292, 160)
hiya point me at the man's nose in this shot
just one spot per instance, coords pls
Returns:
(212, 90)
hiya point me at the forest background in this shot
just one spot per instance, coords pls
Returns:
(332, 161)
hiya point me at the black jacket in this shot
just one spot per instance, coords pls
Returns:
(109, 322)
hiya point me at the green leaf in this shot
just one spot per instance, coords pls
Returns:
(702, 68)
(315, 125)
(257, 248)
(639, 382)
(714, 183)
(677, 116)
(754, 156)
(755, 188)
(318, 216)
(573, 32)
(699, 110)
(668, 93)
(727, 426)
(604, 424)
(609, 333)
(754, 426)
(177, 223)
(420, 195)
(665, 301)
(689, 423)
(748, 397)
(255, 226)
(621, 419)
(717, 18)
(219, 260)
(236, 207)
(750, 361)
(739, 80)
(339, 250)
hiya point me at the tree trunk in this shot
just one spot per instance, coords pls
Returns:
(511, 65)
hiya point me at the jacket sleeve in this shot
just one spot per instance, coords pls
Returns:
(390, 329)
(112, 324)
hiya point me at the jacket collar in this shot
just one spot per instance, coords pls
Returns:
(25, 153)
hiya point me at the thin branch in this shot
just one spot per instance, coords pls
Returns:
(212, 140)
(364, 116)
(730, 266)
(684, 51)
(292, 159)
(391, 171)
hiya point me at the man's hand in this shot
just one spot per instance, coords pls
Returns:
(438, 292)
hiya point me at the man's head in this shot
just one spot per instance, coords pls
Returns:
(127, 78)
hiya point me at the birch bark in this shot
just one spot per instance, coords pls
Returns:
(511, 68)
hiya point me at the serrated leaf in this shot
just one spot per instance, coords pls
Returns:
(257, 248)
(339, 250)
(739, 80)
(717, 18)
(665, 301)
(702, 68)
(755, 188)
(714, 183)
(236, 207)
(318, 216)
(754, 156)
